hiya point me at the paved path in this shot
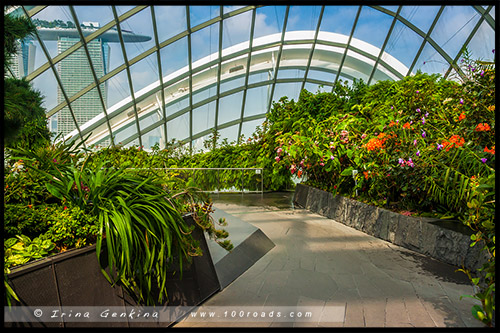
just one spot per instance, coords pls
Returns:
(353, 279)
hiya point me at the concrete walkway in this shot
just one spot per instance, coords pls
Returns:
(348, 278)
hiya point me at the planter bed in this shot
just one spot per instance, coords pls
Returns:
(74, 279)
(447, 241)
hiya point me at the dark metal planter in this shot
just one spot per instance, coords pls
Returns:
(74, 279)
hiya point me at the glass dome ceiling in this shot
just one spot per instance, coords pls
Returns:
(142, 75)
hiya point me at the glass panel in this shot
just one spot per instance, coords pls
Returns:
(453, 28)
(381, 73)
(204, 117)
(328, 57)
(144, 72)
(257, 100)
(259, 77)
(199, 144)
(204, 94)
(228, 9)
(368, 19)
(46, 83)
(236, 29)
(291, 90)
(139, 24)
(248, 127)
(178, 128)
(177, 96)
(483, 43)
(154, 137)
(339, 19)
(170, 20)
(117, 88)
(150, 117)
(268, 20)
(200, 14)
(232, 84)
(321, 75)
(394, 9)
(100, 14)
(125, 132)
(174, 56)
(358, 66)
(133, 143)
(403, 44)
(74, 71)
(430, 61)
(291, 73)
(230, 108)
(123, 9)
(205, 42)
(230, 134)
(295, 55)
(317, 88)
(110, 51)
(54, 22)
(201, 80)
(421, 16)
(303, 18)
(87, 107)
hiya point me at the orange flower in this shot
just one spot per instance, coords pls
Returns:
(299, 173)
(461, 117)
(406, 125)
(392, 123)
(374, 144)
(30, 206)
(366, 174)
(491, 151)
(454, 141)
(482, 127)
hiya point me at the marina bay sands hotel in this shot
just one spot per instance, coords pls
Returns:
(74, 70)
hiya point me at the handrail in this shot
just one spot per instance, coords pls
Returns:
(261, 172)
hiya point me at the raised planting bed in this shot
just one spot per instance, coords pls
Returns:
(74, 279)
(447, 241)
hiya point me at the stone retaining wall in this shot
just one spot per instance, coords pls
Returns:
(447, 241)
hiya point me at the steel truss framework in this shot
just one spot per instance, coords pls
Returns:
(344, 56)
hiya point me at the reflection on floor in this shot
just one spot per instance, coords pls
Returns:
(333, 275)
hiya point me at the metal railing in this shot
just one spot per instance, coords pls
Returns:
(243, 180)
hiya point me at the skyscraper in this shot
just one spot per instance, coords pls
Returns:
(75, 72)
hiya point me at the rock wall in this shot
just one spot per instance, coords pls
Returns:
(447, 241)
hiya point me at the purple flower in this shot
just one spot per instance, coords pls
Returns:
(461, 101)
(418, 91)
(482, 73)
(401, 161)
(427, 114)
(418, 152)
(418, 110)
(392, 107)
(423, 134)
(54, 160)
(415, 142)
(332, 157)
(439, 146)
(484, 160)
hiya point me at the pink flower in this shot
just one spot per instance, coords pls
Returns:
(322, 164)
(277, 158)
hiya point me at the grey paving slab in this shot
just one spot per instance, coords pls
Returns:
(317, 261)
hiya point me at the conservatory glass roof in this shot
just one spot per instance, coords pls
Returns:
(144, 75)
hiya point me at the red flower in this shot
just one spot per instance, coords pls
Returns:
(491, 151)
(482, 127)
(65, 208)
(406, 125)
(461, 117)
